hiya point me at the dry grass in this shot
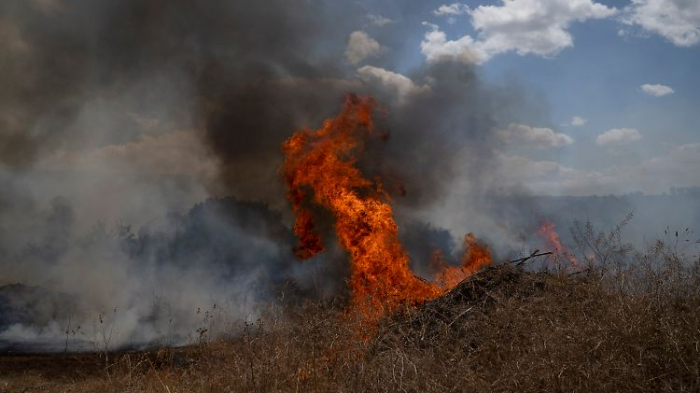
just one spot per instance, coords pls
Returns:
(633, 329)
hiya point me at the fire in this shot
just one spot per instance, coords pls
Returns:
(322, 163)
(548, 233)
(476, 256)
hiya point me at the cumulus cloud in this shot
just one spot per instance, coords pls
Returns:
(361, 46)
(618, 137)
(676, 20)
(578, 121)
(401, 85)
(539, 137)
(452, 9)
(538, 27)
(657, 90)
(436, 47)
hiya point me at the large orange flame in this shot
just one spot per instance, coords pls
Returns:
(322, 162)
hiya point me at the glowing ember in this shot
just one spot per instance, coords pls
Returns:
(323, 161)
(547, 232)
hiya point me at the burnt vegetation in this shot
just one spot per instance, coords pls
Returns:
(626, 321)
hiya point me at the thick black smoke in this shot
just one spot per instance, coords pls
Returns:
(241, 76)
(246, 74)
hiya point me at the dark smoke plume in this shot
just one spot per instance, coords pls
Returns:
(241, 76)
(244, 73)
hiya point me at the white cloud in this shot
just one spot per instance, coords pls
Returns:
(578, 121)
(402, 86)
(538, 27)
(539, 137)
(676, 20)
(436, 47)
(378, 20)
(657, 90)
(618, 137)
(361, 46)
(452, 9)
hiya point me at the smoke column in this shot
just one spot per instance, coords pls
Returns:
(118, 117)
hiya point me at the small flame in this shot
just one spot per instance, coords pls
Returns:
(551, 238)
(323, 162)
(476, 257)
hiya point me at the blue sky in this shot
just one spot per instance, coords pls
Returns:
(616, 47)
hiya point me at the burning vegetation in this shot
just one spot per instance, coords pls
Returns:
(478, 326)
(503, 329)
(547, 233)
(170, 115)
(625, 321)
(320, 166)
